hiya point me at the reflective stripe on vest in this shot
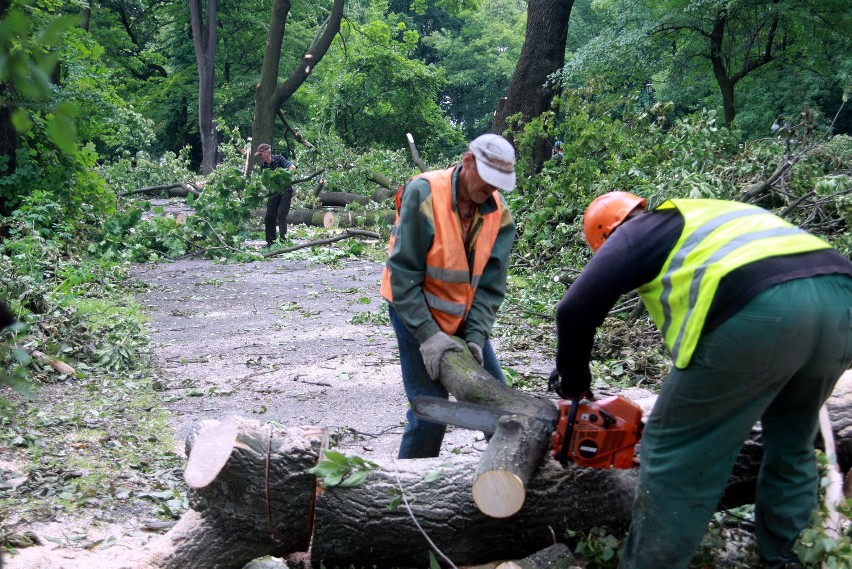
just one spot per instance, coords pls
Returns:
(450, 283)
(718, 237)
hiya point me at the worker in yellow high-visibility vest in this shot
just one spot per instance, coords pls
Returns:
(758, 317)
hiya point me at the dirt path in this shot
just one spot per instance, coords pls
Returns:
(288, 341)
(292, 342)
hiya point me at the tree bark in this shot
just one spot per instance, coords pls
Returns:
(204, 42)
(542, 54)
(250, 494)
(8, 142)
(363, 526)
(8, 134)
(175, 189)
(343, 219)
(269, 95)
(342, 199)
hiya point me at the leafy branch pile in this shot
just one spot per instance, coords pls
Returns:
(613, 142)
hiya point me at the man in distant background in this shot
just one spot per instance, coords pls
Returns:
(278, 203)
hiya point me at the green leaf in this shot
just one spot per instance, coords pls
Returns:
(434, 475)
(62, 132)
(355, 479)
(21, 121)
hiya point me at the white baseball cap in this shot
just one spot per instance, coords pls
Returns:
(495, 160)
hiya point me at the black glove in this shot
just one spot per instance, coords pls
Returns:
(577, 387)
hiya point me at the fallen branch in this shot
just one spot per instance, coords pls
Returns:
(185, 190)
(349, 233)
(56, 364)
(415, 155)
(755, 190)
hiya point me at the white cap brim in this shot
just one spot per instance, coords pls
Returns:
(504, 181)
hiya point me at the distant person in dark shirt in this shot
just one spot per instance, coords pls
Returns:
(278, 203)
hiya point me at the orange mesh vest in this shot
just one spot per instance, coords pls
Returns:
(450, 283)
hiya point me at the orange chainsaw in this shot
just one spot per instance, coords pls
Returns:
(595, 434)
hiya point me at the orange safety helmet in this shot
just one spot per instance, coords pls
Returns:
(607, 212)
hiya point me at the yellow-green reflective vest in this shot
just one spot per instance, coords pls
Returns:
(718, 237)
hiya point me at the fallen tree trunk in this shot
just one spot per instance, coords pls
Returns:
(251, 496)
(367, 525)
(342, 199)
(342, 219)
(181, 189)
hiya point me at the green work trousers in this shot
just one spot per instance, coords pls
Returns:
(777, 361)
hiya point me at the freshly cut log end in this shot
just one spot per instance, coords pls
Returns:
(513, 454)
(211, 451)
(499, 493)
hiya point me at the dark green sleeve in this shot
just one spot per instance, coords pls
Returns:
(492, 286)
(415, 233)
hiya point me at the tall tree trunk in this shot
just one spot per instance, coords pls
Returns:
(86, 17)
(8, 136)
(270, 96)
(542, 54)
(725, 76)
(204, 41)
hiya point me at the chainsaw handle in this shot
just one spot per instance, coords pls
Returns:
(562, 456)
(554, 383)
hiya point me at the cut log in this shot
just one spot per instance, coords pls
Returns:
(261, 501)
(342, 199)
(250, 495)
(181, 189)
(522, 438)
(514, 452)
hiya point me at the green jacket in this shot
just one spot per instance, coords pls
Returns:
(407, 262)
